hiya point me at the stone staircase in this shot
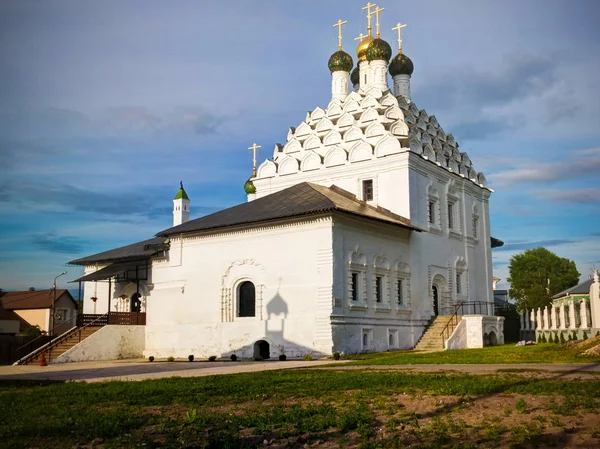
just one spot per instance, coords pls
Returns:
(432, 339)
(64, 345)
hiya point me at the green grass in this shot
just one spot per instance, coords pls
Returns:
(276, 404)
(506, 354)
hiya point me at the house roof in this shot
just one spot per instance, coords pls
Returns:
(39, 299)
(299, 200)
(581, 289)
(146, 248)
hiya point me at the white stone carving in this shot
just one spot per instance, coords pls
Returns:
(335, 156)
(288, 166)
(399, 128)
(361, 151)
(386, 146)
(267, 169)
(353, 134)
(311, 161)
(332, 138)
(345, 121)
(292, 146)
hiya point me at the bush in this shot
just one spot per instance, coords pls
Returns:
(33, 331)
(212, 358)
(539, 339)
(562, 339)
(556, 338)
(585, 336)
(308, 357)
(191, 357)
(336, 355)
(233, 357)
(570, 337)
(258, 358)
(597, 333)
(282, 358)
(574, 336)
(171, 359)
(151, 358)
(544, 338)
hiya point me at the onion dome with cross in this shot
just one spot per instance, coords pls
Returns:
(340, 61)
(378, 48)
(401, 64)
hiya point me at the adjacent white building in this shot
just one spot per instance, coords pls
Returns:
(367, 222)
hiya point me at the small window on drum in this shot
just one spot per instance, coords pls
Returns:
(246, 300)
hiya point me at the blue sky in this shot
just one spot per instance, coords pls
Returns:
(106, 106)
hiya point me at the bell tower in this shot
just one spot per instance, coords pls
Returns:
(181, 206)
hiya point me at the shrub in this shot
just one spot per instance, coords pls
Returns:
(171, 359)
(570, 337)
(539, 339)
(33, 331)
(574, 336)
(191, 357)
(258, 358)
(308, 357)
(521, 406)
(556, 338)
(282, 358)
(562, 338)
(212, 358)
(151, 358)
(585, 336)
(544, 338)
(336, 355)
(597, 333)
(233, 357)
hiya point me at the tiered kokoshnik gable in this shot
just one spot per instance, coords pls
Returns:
(371, 122)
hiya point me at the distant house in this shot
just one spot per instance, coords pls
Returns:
(10, 322)
(35, 308)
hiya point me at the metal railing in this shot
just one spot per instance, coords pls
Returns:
(32, 345)
(101, 320)
(464, 308)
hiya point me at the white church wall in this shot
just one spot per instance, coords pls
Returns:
(373, 250)
(192, 306)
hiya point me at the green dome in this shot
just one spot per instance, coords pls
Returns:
(401, 65)
(249, 187)
(379, 49)
(340, 61)
(355, 76)
(181, 195)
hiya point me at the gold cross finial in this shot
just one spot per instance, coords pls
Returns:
(399, 28)
(377, 11)
(339, 25)
(254, 147)
(360, 37)
(368, 8)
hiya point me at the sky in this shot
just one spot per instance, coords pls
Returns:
(106, 106)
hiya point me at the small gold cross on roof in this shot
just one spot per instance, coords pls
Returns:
(339, 25)
(399, 28)
(376, 12)
(254, 147)
(368, 8)
(360, 37)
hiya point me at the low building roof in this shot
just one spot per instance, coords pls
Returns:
(580, 289)
(146, 248)
(37, 299)
(300, 200)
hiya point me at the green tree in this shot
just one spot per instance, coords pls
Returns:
(538, 274)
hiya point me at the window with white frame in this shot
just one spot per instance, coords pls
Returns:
(357, 279)
(475, 226)
(354, 276)
(367, 190)
(459, 283)
(378, 288)
(402, 285)
(431, 211)
(450, 215)
(367, 339)
(400, 292)
(433, 218)
(393, 340)
(460, 277)
(381, 270)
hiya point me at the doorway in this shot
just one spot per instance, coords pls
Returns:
(261, 348)
(434, 291)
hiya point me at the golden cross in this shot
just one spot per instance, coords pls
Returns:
(368, 8)
(377, 11)
(399, 28)
(339, 25)
(360, 37)
(254, 147)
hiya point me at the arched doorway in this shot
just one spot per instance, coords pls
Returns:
(262, 349)
(246, 299)
(436, 300)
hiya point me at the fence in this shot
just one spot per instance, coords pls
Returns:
(13, 347)
(574, 316)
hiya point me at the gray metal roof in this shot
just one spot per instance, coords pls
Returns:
(299, 200)
(581, 289)
(130, 271)
(146, 249)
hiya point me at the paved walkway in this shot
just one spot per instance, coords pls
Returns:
(141, 369)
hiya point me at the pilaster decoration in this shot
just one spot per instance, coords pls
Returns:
(584, 315)
(551, 319)
(381, 268)
(572, 319)
(539, 319)
(237, 272)
(546, 323)
(357, 263)
(533, 320)
(562, 317)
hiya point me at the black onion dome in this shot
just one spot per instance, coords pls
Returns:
(355, 76)
(379, 49)
(401, 65)
(340, 61)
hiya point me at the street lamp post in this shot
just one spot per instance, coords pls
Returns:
(54, 299)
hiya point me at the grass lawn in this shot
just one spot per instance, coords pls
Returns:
(293, 408)
(506, 354)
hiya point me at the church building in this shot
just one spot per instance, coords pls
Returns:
(366, 224)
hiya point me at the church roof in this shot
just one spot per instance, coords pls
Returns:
(144, 249)
(580, 289)
(299, 200)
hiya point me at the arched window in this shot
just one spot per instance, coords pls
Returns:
(246, 299)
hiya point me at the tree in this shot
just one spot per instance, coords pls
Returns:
(538, 274)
